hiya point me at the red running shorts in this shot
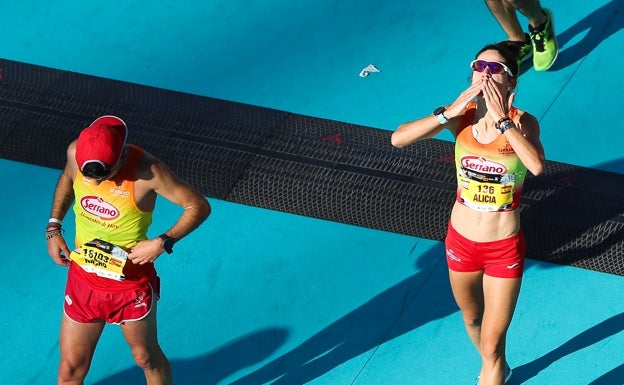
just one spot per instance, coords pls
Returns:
(85, 305)
(503, 258)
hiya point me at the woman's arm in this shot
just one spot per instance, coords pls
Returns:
(410, 132)
(429, 126)
(524, 138)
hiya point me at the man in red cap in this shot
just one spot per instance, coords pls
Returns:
(111, 279)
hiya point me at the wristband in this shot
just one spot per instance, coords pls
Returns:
(55, 220)
(506, 126)
(439, 113)
(502, 120)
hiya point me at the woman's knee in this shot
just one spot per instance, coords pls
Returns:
(492, 348)
(472, 319)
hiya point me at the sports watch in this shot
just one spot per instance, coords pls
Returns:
(167, 243)
(439, 113)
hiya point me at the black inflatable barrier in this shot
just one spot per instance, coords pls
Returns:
(304, 165)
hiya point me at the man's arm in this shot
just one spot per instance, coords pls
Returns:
(196, 209)
(61, 203)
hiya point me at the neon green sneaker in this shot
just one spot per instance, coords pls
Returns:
(545, 48)
(526, 50)
(523, 48)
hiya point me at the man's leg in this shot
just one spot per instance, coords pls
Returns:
(78, 342)
(142, 337)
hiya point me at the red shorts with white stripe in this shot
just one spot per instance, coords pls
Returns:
(503, 258)
(85, 305)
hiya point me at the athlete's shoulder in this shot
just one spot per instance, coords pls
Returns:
(71, 167)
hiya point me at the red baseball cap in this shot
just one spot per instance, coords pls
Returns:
(102, 142)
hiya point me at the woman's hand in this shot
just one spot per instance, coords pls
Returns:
(497, 104)
(458, 107)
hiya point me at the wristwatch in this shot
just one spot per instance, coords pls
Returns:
(439, 113)
(167, 243)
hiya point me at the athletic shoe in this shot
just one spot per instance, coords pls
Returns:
(508, 373)
(545, 49)
(524, 48)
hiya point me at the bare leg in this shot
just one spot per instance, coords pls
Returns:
(505, 13)
(142, 337)
(531, 9)
(501, 296)
(468, 292)
(78, 342)
(487, 305)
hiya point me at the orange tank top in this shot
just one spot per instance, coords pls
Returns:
(490, 176)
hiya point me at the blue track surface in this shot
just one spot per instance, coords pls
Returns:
(255, 296)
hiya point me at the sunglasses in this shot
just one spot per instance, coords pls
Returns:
(495, 67)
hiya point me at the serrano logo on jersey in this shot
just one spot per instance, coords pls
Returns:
(480, 164)
(99, 207)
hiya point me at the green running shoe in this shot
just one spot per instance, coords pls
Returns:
(524, 48)
(545, 48)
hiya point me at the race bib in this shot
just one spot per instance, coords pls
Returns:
(484, 192)
(102, 258)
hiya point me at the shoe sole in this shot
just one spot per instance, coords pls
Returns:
(507, 377)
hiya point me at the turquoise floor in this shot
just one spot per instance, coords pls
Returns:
(256, 296)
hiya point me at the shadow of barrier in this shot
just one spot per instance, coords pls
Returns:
(304, 165)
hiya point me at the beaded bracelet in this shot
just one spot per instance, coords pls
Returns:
(53, 231)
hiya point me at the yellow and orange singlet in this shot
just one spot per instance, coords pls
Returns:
(489, 176)
(108, 211)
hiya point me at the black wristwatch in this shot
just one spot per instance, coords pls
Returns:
(167, 243)
(439, 113)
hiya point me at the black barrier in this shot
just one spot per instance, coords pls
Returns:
(303, 165)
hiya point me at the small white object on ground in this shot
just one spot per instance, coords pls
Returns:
(370, 68)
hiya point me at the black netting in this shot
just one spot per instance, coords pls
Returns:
(303, 165)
